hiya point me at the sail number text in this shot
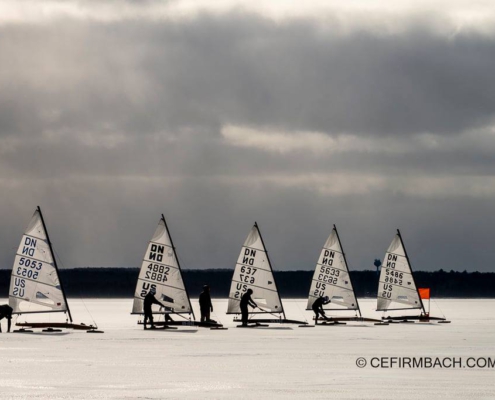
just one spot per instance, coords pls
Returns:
(28, 268)
(328, 275)
(240, 290)
(157, 272)
(247, 275)
(392, 277)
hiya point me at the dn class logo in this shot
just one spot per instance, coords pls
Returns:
(156, 253)
(29, 246)
(249, 255)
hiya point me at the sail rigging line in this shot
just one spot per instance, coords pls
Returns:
(301, 311)
(410, 267)
(271, 268)
(268, 312)
(358, 311)
(441, 311)
(412, 274)
(55, 263)
(79, 293)
(178, 265)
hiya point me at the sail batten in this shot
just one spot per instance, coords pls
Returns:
(253, 271)
(396, 288)
(160, 269)
(331, 277)
(35, 285)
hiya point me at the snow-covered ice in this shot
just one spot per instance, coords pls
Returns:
(127, 362)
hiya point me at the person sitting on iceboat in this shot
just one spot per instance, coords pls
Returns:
(246, 301)
(318, 307)
(6, 312)
(205, 304)
(149, 300)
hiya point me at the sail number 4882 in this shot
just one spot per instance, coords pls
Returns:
(157, 272)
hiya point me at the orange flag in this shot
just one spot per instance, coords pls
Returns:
(424, 293)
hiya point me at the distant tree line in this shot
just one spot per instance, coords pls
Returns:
(121, 282)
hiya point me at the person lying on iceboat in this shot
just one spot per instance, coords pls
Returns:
(6, 312)
(149, 300)
(318, 307)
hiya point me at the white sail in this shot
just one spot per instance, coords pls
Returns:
(253, 271)
(34, 283)
(160, 269)
(396, 288)
(331, 277)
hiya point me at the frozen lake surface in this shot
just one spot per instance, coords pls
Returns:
(128, 362)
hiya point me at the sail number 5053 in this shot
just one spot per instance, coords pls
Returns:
(29, 268)
(157, 272)
(28, 273)
(27, 262)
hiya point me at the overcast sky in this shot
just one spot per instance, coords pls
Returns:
(371, 115)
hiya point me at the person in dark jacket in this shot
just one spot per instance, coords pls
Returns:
(205, 304)
(318, 307)
(246, 301)
(6, 312)
(149, 300)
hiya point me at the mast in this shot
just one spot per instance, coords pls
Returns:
(347, 266)
(178, 264)
(55, 263)
(412, 274)
(269, 262)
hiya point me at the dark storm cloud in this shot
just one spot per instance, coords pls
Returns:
(107, 124)
(148, 76)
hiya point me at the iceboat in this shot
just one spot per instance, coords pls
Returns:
(331, 278)
(397, 289)
(253, 270)
(160, 269)
(35, 284)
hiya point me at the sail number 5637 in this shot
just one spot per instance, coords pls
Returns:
(157, 272)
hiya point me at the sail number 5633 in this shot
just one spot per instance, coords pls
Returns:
(328, 275)
(157, 272)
